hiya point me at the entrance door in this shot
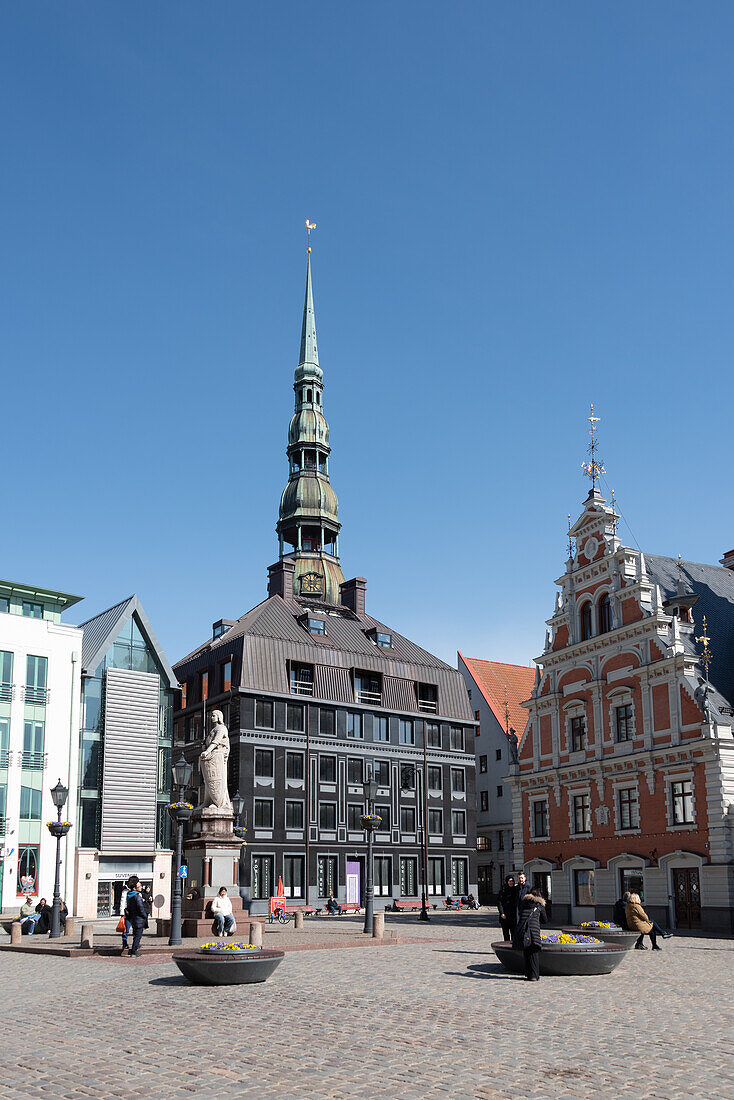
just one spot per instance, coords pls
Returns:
(687, 894)
(484, 884)
(542, 883)
(353, 883)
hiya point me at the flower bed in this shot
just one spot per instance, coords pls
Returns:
(228, 965)
(568, 939)
(609, 933)
(565, 953)
(228, 945)
(601, 924)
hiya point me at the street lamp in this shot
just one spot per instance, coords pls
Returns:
(411, 779)
(180, 812)
(369, 823)
(58, 828)
(238, 805)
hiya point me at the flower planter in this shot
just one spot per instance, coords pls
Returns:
(180, 811)
(228, 967)
(608, 935)
(58, 828)
(570, 960)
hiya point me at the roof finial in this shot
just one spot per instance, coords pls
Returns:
(615, 517)
(507, 713)
(707, 656)
(570, 538)
(594, 468)
(309, 350)
(309, 227)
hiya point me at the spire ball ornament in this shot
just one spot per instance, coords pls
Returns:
(594, 468)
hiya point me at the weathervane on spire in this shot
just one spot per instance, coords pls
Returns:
(615, 517)
(309, 227)
(570, 537)
(594, 468)
(707, 656)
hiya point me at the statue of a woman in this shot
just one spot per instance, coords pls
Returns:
(213, 764)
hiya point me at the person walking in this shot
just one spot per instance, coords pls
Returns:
(508, 907)
(527, 933)
(223, 915)
(135, 913)
(638, 921)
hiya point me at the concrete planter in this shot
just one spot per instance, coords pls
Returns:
(570, 960)
(228, 967)
(609, 935)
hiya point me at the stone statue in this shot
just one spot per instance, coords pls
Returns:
(701, 695)
(213, 764)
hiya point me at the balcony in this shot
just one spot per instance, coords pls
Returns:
(4, 758)
(430, 706)
(7, 692)
(301, 687)
(372, 698)
(36, 696)
(2, 824)
(36, 761)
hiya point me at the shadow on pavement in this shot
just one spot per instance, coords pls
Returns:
(485, 970)
(172, 979)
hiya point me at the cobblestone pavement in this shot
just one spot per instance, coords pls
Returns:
(433, 1018)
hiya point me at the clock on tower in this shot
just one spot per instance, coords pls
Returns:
(312, 584)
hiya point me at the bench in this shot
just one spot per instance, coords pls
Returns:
(307, 910)
(455, 906)
(346, 907)
(408, 906)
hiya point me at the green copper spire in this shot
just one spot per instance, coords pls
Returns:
(308, 528)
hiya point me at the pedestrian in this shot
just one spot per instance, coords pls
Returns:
(522, 889)
(147, 895)
(223, 916)
(638, 921)
(620, 917)
(527, 933)
(135, 913)
(508, 908)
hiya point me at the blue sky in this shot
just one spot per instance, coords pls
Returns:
(521, 208)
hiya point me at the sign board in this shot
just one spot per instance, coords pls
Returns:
(277, 903)
(183, 871)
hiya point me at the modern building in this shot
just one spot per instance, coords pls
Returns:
(497, 692)
(124, 752)
(317, 693)
(625, 774)
(40, 661)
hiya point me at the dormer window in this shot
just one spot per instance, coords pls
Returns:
(301, 679)
(427, 698)
(316, 626)
(384, 641)
(367, 688)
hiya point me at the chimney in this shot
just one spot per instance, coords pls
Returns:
(728, 560)
(280, 578)
(353, 594)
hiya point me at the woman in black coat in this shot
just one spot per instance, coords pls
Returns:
(508, 907)
(135, 913)
(527, 933)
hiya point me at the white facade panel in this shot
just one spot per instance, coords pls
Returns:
(130, 761)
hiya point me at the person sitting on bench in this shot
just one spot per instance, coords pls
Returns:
(222, 911)
(451, 903)
(332, 905)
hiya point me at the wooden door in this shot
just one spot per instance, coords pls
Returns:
(687, 893)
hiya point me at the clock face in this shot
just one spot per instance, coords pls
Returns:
(312, 584)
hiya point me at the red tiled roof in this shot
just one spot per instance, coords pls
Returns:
(494, 678)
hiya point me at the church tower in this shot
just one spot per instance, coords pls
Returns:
(308, 528)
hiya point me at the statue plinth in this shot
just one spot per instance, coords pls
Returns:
(212, 822)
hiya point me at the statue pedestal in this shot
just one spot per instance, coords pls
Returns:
(212, 855)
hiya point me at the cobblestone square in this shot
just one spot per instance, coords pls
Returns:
(437, 1017)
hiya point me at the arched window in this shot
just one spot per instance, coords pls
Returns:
(585, 620)
(604, 611)
(318, 398)
(309, 395)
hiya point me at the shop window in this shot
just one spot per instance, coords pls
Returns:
(583, 881)
(293, 876)
(328, 878)
(382, 876)
(409, 877)
(262, 877)
(459, 877)
(27, 869)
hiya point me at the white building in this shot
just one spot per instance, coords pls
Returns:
(40, 686)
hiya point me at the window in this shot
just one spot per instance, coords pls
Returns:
(484, 801)
(500, 791)
(293, 815)
(4, 604)
(435, 876)
(184, 693)
(27, 869)
(435, 822)
(294, 765)
(294, 717)
(407, 732)
(327, 769)
(581, 813)
(327, 722)
(585, 621)
(458, 822)
(90, 769)
(35, 679)
(382, 876)
(629, 815)
(476, 713)
(33, 737)
(458, 780)
(327, 816)
(264, 763)
(4, 746)
(583, 882)
(407, 819)
(407, 777)
(604, 612)
(435, 778)
(355, 770)
(226, 675)
(293, 876)
(379, 729)
(301, 679)
(32, 610)
(409, 876)
(90, 821)
(632, 880)
(578, 733)
(433, 735)
(328, 878)
(354, 813)
(262, 876)
(682, 797)
(482, 763)
(384, 813)
(204, 685)
(6, 675)
(384, 641)
(30, 804)
(484, 844)
(367, 687)
(382, 773)
(624, 722)
(500, 842)
(263, 714)
(263, 813)
(428, 698)
(456, 738)
(354, 725)
(540, 818)
(459, 876)
(316, 626)
(498, 754)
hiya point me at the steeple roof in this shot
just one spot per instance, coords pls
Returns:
(309, 353)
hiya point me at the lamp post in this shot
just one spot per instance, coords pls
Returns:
(180, 812)
(58, 829)
(369, 823)
(239, 829)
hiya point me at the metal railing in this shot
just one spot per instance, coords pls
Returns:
(374, 698)
(34, 760)
(301, 687)
(36, 696)
(7, 692)
(4, 758)
(2, 824)
(428, 705)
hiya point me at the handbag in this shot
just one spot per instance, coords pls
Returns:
(527, 936)
(121, 925)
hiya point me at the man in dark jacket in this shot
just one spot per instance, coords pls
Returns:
(521, 890)
(508, 907)
(135, 912)
(527, 933)
(618, 913)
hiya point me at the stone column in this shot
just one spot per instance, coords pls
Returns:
(298, 921)
(378, 925)
(87, 936)
(16, 932)
(256, 933)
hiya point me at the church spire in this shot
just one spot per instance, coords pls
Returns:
(308, 527)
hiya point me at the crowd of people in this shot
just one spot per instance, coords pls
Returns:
(35, 920)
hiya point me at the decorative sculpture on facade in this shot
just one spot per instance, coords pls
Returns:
(213, 764)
